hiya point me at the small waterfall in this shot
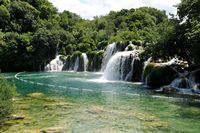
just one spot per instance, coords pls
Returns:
(110, 51)
(144, 67)
(85, 60)
(55, 65)
(123, 66)
(76, 65)
(182, 82)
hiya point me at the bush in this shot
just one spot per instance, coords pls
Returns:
(84, 47)
(102, 45)
(7, 92)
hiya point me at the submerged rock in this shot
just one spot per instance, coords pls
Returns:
(168, 90)
(54, 130)
(35, 95)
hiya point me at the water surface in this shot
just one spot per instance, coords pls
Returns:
(82, 103)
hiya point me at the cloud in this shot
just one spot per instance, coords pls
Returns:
(90, 8)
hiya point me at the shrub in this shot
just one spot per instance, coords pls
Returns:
(83, 47)
(7, 92)
(102, 45)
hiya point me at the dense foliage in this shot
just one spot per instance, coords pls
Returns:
(182, 38)
(6, 94)
(32, 32)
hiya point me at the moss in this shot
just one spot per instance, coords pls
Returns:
(77, 53)
(100, 53)
(130, 48)
(91, 54)
(63, 58)
(148, 69)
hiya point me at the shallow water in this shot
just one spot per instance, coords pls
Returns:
(83, 103)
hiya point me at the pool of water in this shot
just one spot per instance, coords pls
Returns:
(84, 103)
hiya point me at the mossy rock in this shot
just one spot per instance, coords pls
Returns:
(160, 76)
(77, 53)
(130, 48)
(148, 69)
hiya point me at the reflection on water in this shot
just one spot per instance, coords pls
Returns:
(79, 102)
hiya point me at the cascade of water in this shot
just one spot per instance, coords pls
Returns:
(85, 60)
(182, 82)
(144, 67)
(55, 65)
(121, 66)
(76, 65)
(110, 50)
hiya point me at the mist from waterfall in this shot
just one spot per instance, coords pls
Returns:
(55, 65)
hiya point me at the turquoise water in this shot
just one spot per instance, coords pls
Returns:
(102, 106)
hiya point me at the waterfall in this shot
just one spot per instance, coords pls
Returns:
(144, 67)
(55, 65)
(85, 61)
(123, 66)
(76, 65)
(182, 82)
(110, 50)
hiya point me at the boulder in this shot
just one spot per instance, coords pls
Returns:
(161, 75)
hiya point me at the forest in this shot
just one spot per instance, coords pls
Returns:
(32, 32)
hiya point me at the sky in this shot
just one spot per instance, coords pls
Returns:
(90, 8)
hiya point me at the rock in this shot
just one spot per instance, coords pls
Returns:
(168, 90)
(54, 130)
(148, 69)
(137, 70)
(179, 68)
(17, 117)
(161, 75)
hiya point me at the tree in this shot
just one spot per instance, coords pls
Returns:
(4, 17)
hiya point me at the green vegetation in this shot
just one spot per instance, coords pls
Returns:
(160, 76)
(7, 92)
(32, 32)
